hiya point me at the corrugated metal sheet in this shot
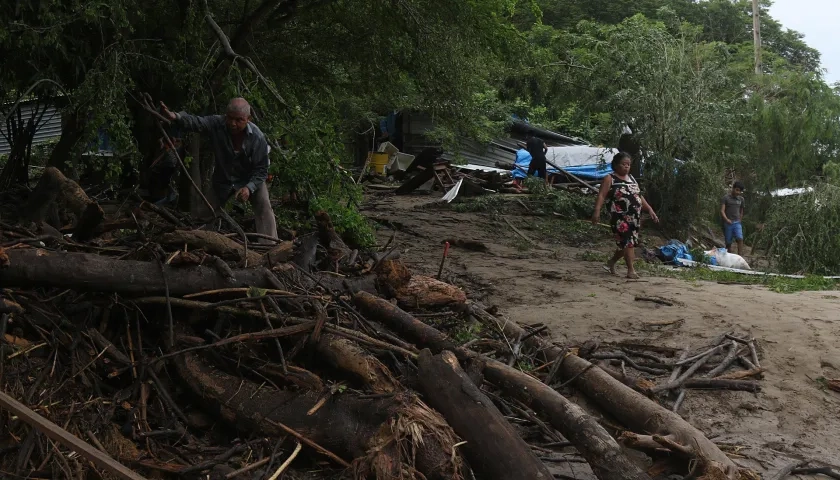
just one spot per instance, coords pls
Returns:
(48, 129)
(415, 125)
(470, 151)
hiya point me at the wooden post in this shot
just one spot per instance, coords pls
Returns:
(757, 35)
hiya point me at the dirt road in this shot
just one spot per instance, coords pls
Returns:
(550, 283)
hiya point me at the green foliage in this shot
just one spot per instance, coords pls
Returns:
(683, 194)
(466, 331)
(353, 226)
(803, 231)
(777, 284)
(678, 72)
(557, 202)
(795, 123)
(699, 255)
(482, 204)
(831, 171)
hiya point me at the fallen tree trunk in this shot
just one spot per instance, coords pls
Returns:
(634, 409)
(373, 431)
(55, 187)
(81, 271)
(346, 355)
(213, 243)
(604, 455)
(494, 449)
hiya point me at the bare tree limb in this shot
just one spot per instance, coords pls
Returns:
(29, 90)
(235, 57)
(246, 28)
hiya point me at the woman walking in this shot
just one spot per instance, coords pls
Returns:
(626, 203)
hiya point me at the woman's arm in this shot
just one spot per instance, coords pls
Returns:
(602, 196)
(646, 206)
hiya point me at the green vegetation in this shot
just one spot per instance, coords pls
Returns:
(541, 201)
(482, 204)
(466, 331)
(679, 73)
(774, 283)
(803, 231)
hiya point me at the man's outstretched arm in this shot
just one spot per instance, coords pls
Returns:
(193, 123)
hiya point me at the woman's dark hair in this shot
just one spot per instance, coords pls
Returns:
(616, 161)
(738, 185)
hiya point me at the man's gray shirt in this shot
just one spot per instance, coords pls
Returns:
(234, 170)
(732, 207)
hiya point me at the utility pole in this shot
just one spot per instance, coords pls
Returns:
(757, 35)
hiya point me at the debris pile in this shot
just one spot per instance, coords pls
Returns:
(159, 350)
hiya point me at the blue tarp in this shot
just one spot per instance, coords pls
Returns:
(597, 170)
(674, 251)
(589, 171)
(521, 164)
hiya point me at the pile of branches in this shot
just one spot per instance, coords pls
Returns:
(164, 350)
(728, 362)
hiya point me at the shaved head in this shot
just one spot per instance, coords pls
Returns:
(239, 106)
(238, 115)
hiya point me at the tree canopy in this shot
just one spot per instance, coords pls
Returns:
(318, 72)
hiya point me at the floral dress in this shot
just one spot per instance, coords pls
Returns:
(625, 211)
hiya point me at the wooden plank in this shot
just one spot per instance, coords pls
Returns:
(62, 436)
(574, 177)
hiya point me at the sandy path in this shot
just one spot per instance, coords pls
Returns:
(798, 333)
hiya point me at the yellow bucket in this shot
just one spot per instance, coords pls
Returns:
(378, 161)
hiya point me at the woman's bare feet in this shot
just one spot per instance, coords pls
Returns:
(610, 267)
(632, 275)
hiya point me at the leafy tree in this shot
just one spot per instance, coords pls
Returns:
(314, 70)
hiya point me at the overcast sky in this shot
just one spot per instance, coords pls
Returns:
(817, 20)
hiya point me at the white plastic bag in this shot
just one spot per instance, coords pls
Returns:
(728, 260)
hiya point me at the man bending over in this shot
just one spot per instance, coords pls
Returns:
(241, 152)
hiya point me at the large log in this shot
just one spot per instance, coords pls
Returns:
(213, 243)
(350, 357)
(54, 187)
(604, 455)
(81, 271)
(381, 433)
(632, 408)
(493, 447)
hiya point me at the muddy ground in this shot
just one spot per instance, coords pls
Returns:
(558, 284)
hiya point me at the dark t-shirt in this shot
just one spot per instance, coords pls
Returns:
(733, 206)
(535, 147)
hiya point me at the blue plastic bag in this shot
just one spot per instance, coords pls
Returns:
(673, 252)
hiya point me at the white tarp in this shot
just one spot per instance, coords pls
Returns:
(580, 155)
(787, 192)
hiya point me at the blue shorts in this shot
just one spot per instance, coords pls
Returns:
(733, 231)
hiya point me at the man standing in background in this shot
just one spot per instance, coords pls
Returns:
(241, 152)
(732, 212)
(537, 148)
